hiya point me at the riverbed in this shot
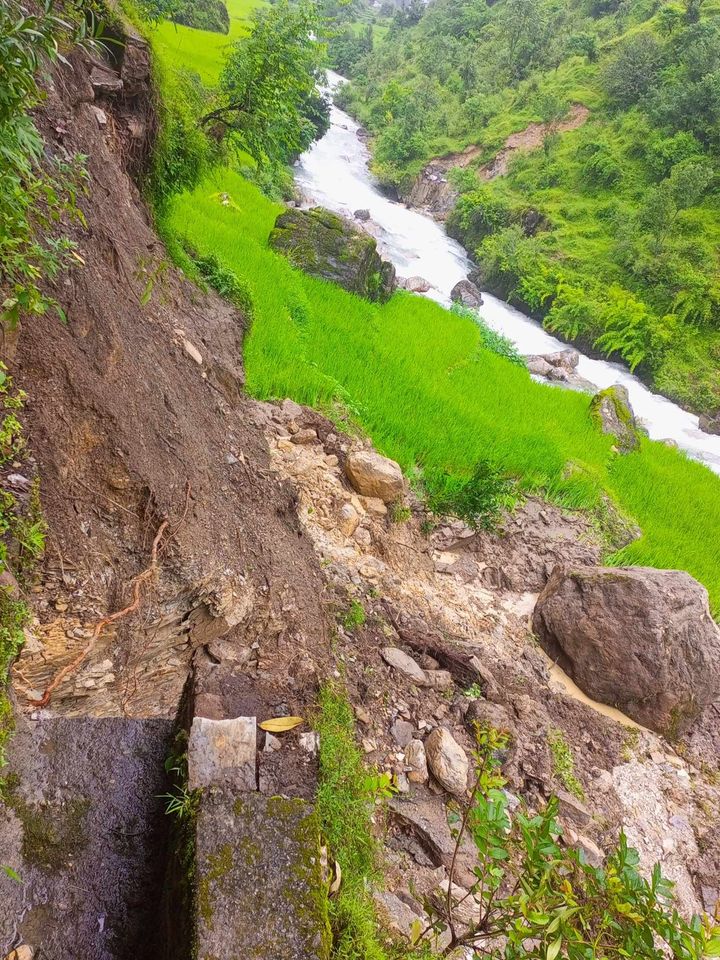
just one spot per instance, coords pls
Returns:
(334, 173)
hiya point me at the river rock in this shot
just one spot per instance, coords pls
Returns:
(710, 424)
(467, 293)
(362, 215)
(640, 639)
(375, 476)
(611, 409)
(567, 359)
(539, 366)
(447, 761)
(416, 284)
(327, 246)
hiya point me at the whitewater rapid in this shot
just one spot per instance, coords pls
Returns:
(334, 173)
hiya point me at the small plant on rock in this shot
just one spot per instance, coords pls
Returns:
(536, 899)
(354, 616)
(563, 762)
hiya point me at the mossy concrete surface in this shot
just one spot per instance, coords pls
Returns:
(260, 890)
(83, 833)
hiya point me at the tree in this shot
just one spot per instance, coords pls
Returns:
(634, 71)
(269, 85)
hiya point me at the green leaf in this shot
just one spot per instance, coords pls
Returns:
(13, 874)
(554, 949)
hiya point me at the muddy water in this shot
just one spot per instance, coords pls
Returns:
(334, 174)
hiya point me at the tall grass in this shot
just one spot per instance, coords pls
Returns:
(417, 379)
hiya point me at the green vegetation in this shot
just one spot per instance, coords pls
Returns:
(563, 763)
(545, 901)
(610, 230)
(354, 616)
(345, 810)
(418, 379)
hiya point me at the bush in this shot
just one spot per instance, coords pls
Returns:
(490, 339)
(479, 500)
(227, 283)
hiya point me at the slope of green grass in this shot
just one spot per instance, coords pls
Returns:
(415, 377)
(184, 48)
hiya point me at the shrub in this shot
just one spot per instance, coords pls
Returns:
(490, 339)
(479, 500)
(538, 900)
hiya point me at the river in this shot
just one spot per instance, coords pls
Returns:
(334, 173)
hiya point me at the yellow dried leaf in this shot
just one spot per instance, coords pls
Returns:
(281, 724)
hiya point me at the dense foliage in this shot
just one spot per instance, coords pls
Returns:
(35, 191)
(537, 899)
(610, 230)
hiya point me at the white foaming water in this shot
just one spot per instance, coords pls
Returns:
(334, 173)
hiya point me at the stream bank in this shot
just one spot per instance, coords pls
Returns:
(334, 173)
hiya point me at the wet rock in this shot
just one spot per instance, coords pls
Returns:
(223, 752)
(567, 359)
(416, 284)
(404, 664)
(362, 215)
(447, 761)
(539, 366)
(324, 245)
(375, 476)
(636, 638)
(467, 293)
(611, 409)
(415, 759)
(710, 424)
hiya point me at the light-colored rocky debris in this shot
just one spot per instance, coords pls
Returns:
(375, 476)
(447, 761)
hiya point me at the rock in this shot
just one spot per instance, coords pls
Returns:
(397, 915)
(192, 351)
(272, 744)
(558, 375)
(222, 752)
(710, 424)
(349, 520)
(439, 679)
(466, 293)
(567, 359)
(375, 476)
(640, 639)
(572, 808)
(324, 245)
(539, 366)
(375, 506)
(416, 284)
(362, 215)
(466, 908)
(593, 854)
(309, 742)
(447, 761)
(100, 116)
(105, 81)
(415, 759)
(404, 664)
(23, 952)
(611, 409)
(291, 410)
(485, 714)
(402, 732)
(308, 435)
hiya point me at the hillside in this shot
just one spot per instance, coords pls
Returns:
(610, 230)
(264, 691)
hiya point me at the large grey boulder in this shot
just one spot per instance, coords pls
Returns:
(327, 246)
(467, 293)
(639, 639)
(373, 475)
(612, 411)
(447, 761)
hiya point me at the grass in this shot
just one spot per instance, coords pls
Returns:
(563, 762)
(345, 812)
(203, 52)
(417, 378)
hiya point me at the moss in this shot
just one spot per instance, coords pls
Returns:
(219, 865)
(53, 833)
(563, 763)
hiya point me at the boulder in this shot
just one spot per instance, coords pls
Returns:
(327, 246)
(539, 366)
(567, 359)
(466, 293)
(447, 761)
(375, 476)
(416, 284)
(710, 424)
(611, 409)
(639, 639)
(417, 761)
(362, 215)
(405, 664)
